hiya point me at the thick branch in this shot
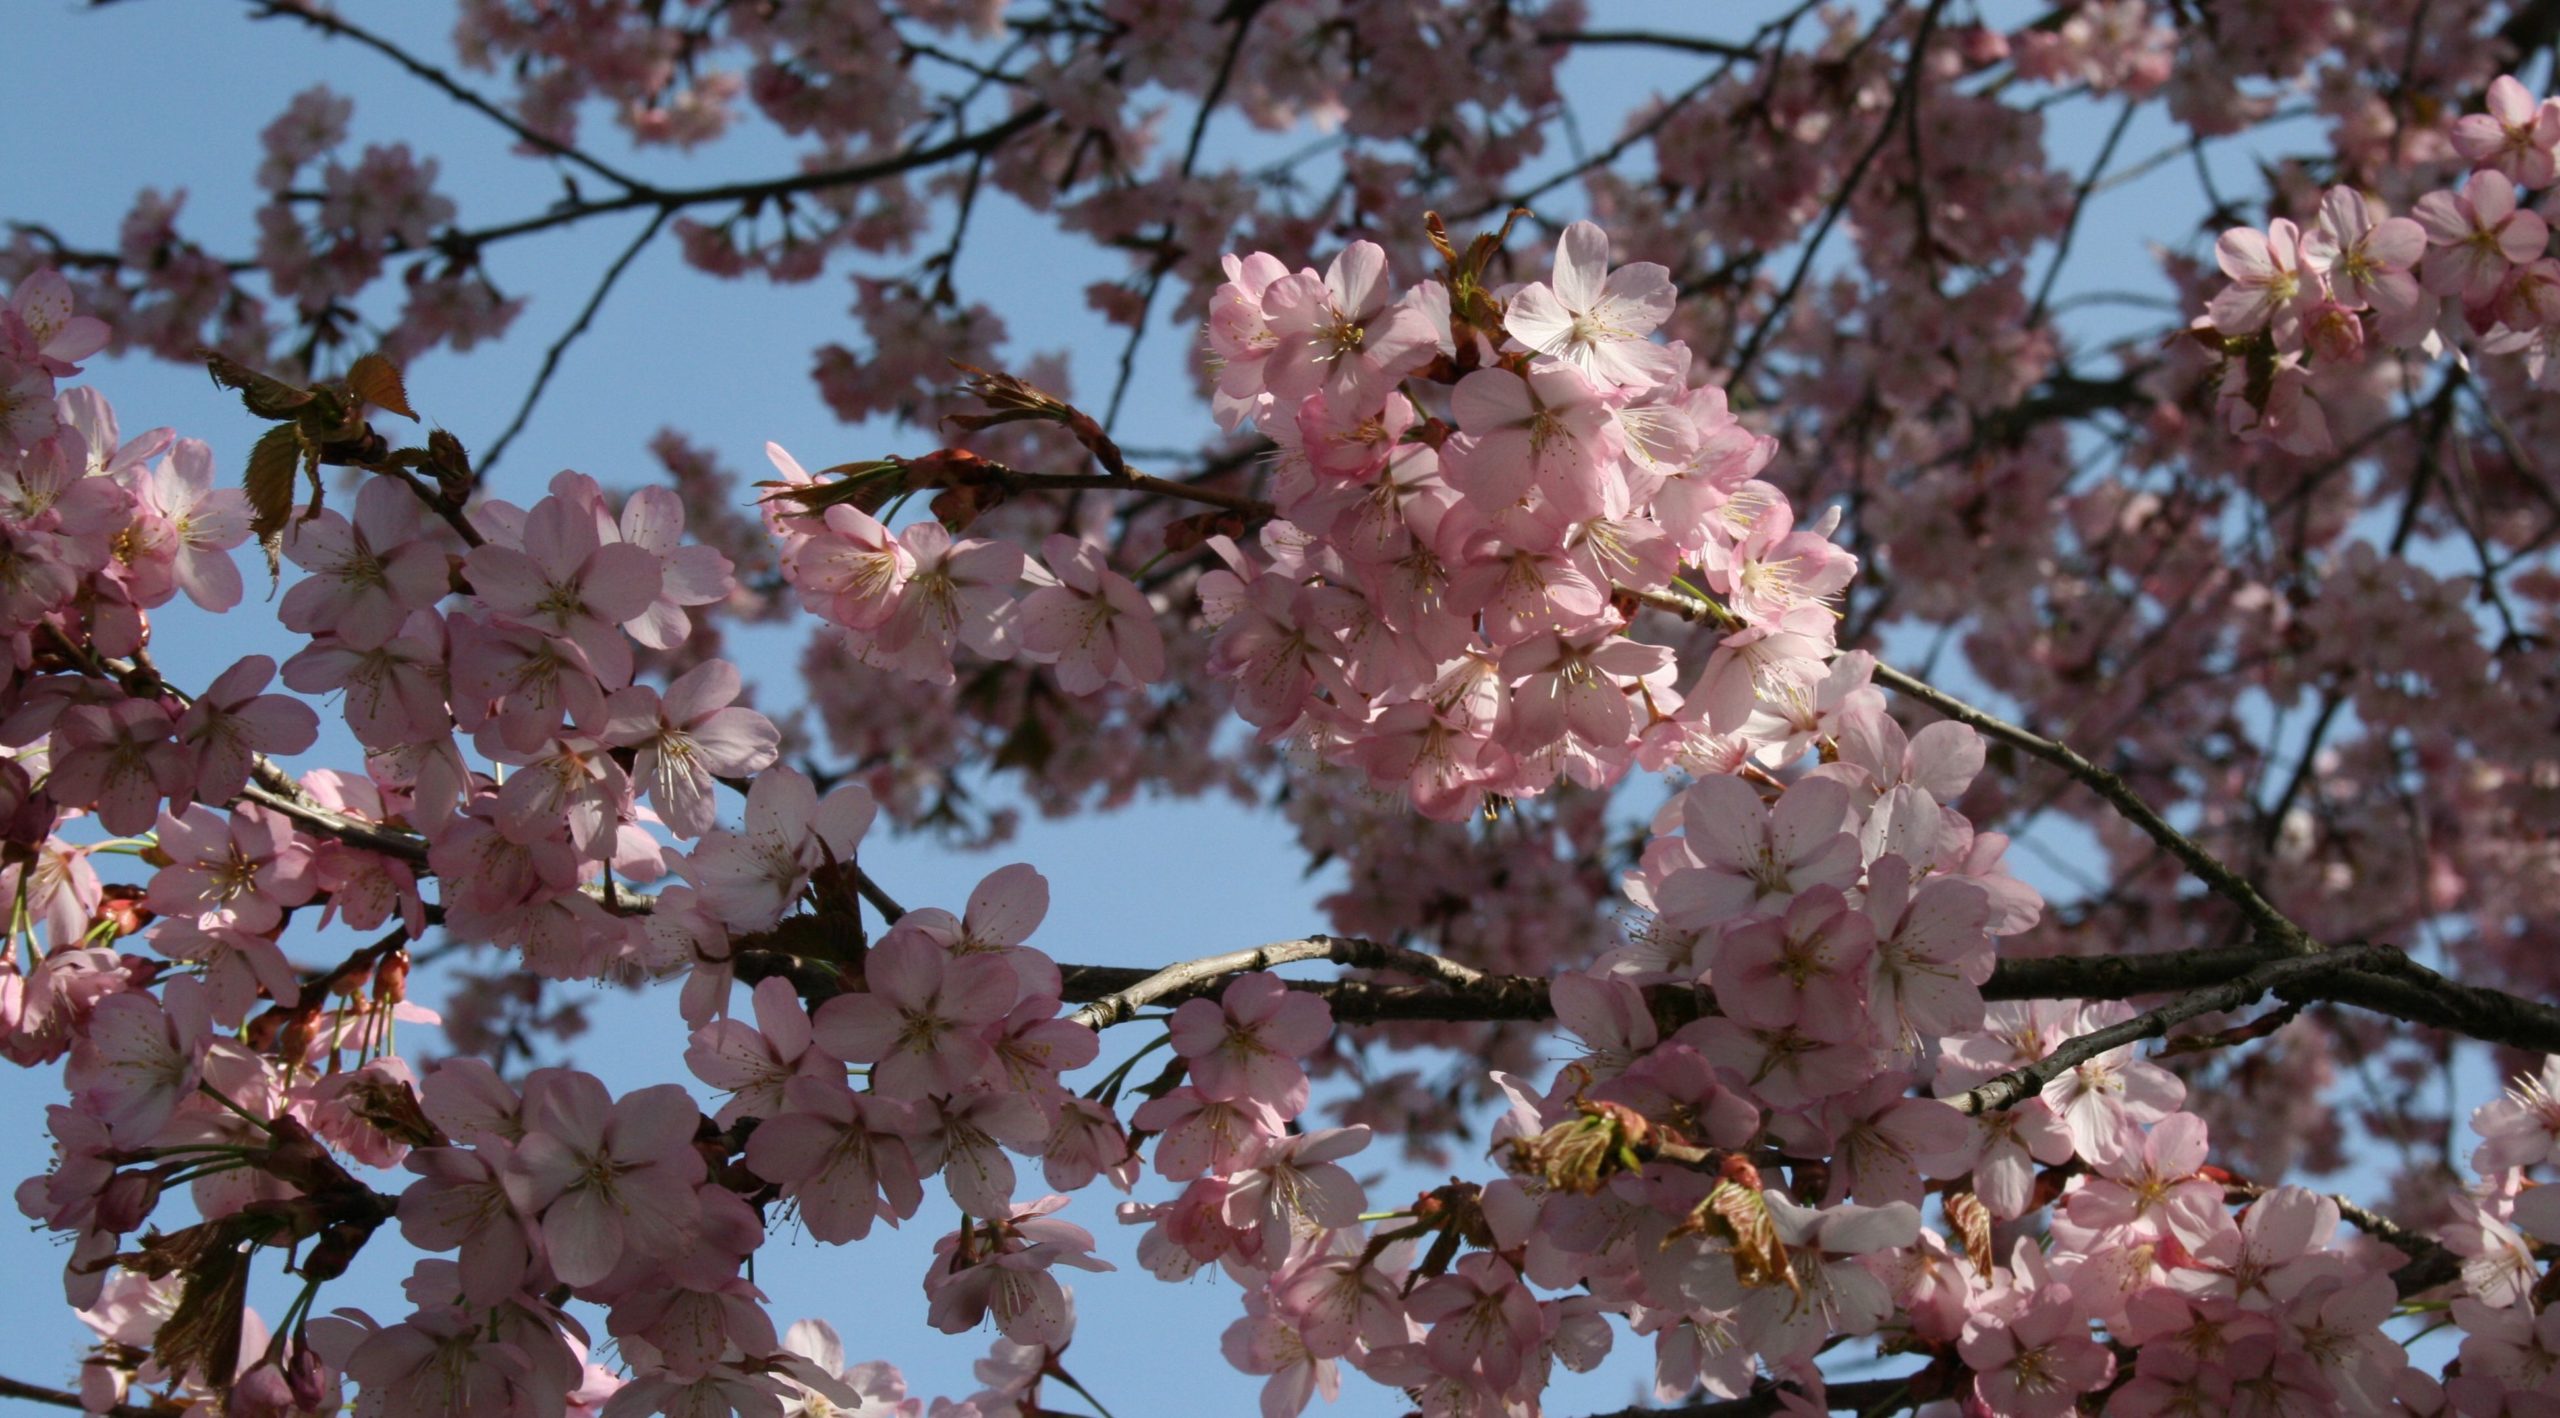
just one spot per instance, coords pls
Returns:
(2020, 1084)
(1452, 980)
(1651, 39)
(1015, 479)
(1863, 1396)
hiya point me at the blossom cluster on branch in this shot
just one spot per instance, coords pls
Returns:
(1476, 558)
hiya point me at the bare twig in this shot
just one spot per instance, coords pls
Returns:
(331, 23)
(559, 347)
(1904, 96)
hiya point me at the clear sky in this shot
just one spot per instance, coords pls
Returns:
(170, 95)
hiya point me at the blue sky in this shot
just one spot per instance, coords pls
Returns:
(171, 96)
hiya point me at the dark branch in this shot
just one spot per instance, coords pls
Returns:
(559, 347)
(2019, 1084)
(446, 84)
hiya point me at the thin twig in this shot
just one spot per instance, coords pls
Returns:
(1241, 13)
(676, 198)
(1904, 95)
(445, 83)
(2079, 208)
(559, 347)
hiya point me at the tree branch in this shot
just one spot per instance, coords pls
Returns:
(445, 83)
(1863, 1396)
(1195, 977)
(2019, 1084)
(669, 199)
(1905, 95)
(38, 1393)
(1651, 39)
(559, 347)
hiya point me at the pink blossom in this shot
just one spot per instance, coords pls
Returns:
(1594, 318)
(394, 691)
(2155, 1190)
(1550, 431)
(2272, 277)
(690, 574)
(920, 1020)
(2038, 1364)
(2096, 1099)
(1342, 333)
(1295, 1186)
(1265, 1342)
(841, 1155)
(2518, 138)
(1004, 909)
(1030, 1306)
(687, 739)
(1093, 624)
(233, 721)
(963, 1136)
(1810, 962)
(2369, 261)
(137, 1060)
(243, 870)
(42, 313)
(461, 1202)
(606, 1175)
(754, 1063)
(749, 878)
(119, 758)
(1484, 1322)
(2475, 237)
(852, 571)
(1198, 1135)
(1754, 858)
(1248, 1043)
(2520, 1128)
(367, 576)
(570, 583)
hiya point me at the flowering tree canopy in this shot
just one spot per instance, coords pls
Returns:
(1660, 583)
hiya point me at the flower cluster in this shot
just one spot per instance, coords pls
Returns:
(1796, 1121)
(2467, 272)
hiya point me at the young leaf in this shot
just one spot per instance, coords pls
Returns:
(269, 483)
(266, 397)
(376, 381)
